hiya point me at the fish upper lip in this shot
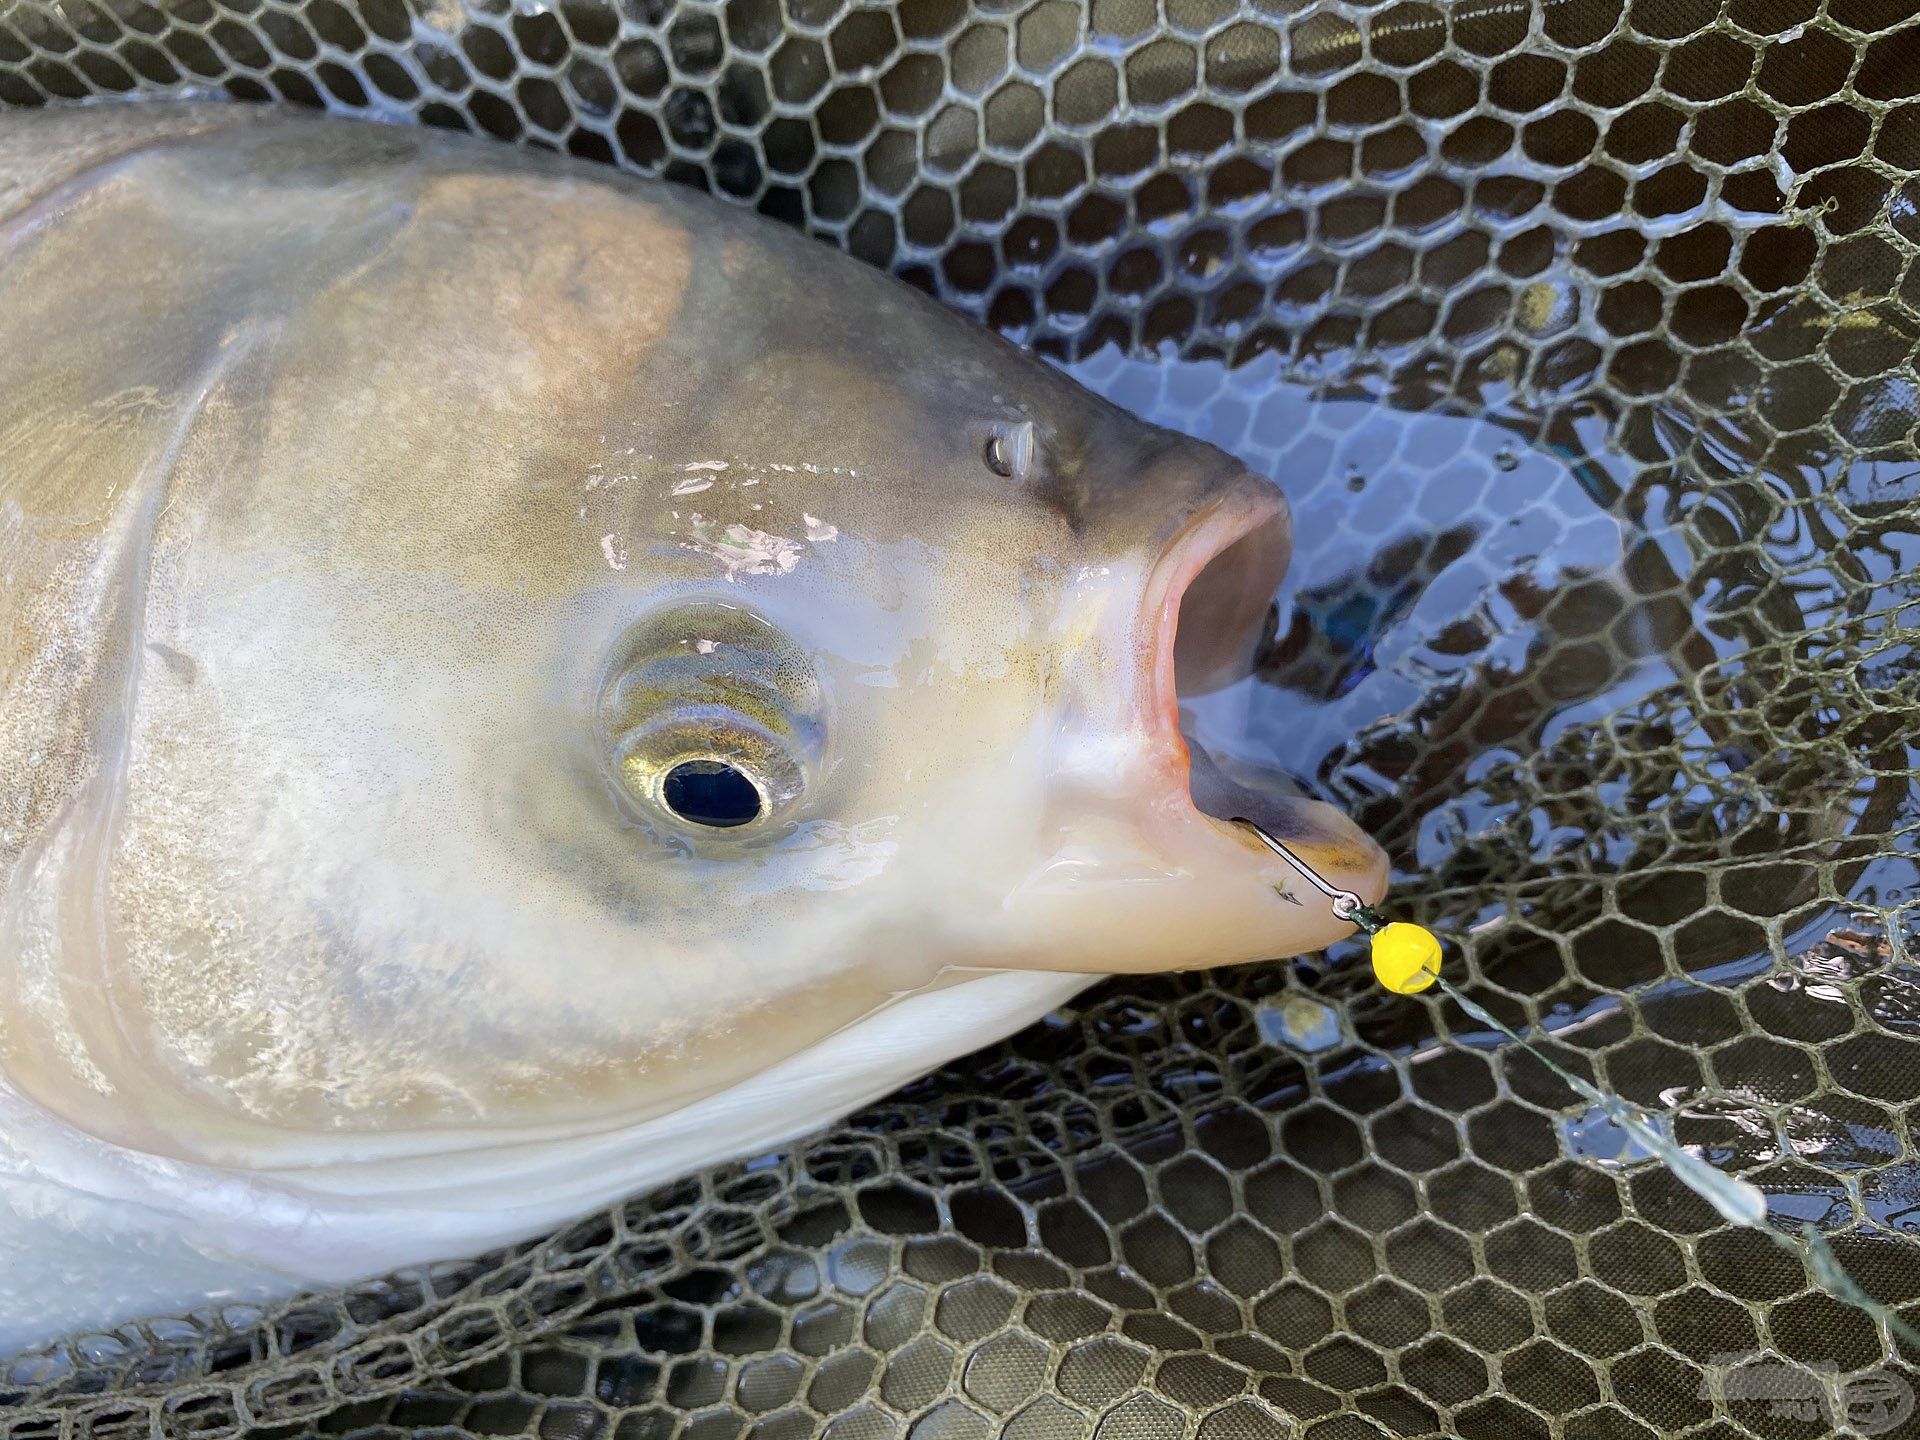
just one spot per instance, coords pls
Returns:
(1251, 502)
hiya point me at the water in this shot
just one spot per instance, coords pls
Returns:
(1518, 649)
(1459, 600)
(1569, 680)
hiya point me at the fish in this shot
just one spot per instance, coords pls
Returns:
(519, 683)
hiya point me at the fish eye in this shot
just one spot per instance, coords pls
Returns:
(712, 793)
(712, 719)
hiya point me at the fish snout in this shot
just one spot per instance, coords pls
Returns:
(1147, 866)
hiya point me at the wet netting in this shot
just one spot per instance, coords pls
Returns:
(1583, 334)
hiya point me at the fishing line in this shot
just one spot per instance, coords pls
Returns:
(1735, 1199)
(1406, 961)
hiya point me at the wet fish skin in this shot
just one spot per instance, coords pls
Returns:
(381, 512)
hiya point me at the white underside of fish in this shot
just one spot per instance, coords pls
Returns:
(91, 1235)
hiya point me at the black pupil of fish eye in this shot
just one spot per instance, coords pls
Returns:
(711, 792)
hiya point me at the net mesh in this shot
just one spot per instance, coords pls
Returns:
(1583, 333)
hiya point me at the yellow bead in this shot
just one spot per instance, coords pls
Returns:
(1406, 958)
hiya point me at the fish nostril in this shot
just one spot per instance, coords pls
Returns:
(1009, 450)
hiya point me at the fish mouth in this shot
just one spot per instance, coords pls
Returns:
(1206, 610)
(1212, 590)
(1207, 600)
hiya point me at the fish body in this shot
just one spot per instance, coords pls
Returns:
(518, 682)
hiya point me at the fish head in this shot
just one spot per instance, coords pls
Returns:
(563, 648)
(989, 592)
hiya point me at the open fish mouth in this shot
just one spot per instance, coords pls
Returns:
(1209, 594)
(1205, 612)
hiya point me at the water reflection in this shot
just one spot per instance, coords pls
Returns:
(1624, 697)
(1520, 650)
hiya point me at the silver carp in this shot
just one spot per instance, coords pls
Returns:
(517, 683)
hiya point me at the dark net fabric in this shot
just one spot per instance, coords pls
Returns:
(1583, 333)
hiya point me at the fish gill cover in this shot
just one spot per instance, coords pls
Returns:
(1583, 335)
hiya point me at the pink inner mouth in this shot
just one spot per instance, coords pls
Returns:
(1207, 601)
